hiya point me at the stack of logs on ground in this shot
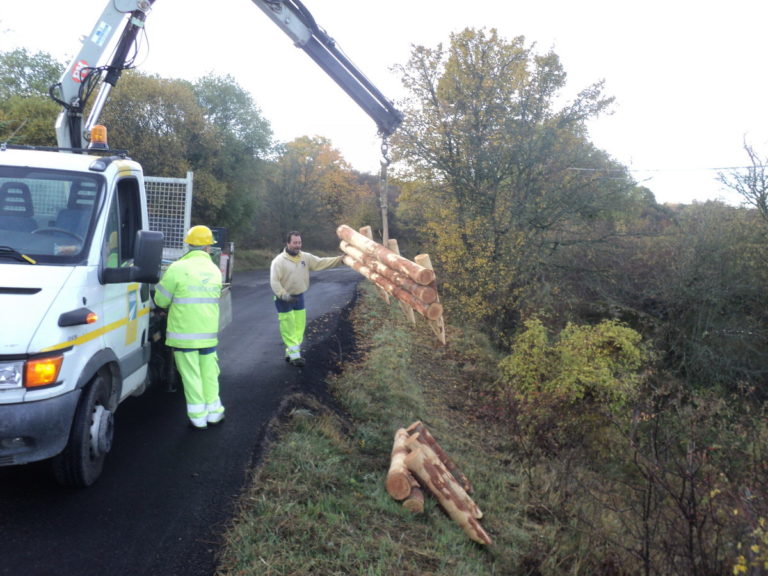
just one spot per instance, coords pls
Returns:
(413, 283)
(419, 461)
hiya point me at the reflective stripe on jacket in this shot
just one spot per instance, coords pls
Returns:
(190, 289)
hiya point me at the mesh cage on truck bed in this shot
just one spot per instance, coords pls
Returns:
(169, 203)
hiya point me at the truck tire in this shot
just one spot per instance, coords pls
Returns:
(81, 462)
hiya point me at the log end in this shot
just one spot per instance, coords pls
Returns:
(434, 311)
(415, 501)
(398, 485)
(425, 276)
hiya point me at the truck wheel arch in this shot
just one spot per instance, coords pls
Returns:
(103, 360)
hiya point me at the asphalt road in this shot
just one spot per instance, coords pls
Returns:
(167, 491)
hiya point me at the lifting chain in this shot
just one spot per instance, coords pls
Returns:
(383, 185)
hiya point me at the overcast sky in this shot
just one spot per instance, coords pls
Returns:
(688, 76)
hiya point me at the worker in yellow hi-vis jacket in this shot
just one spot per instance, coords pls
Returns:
(289, 280)
(190, 289)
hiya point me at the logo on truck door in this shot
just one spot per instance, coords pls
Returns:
(132, 328)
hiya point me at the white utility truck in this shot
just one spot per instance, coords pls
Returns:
(81, 243)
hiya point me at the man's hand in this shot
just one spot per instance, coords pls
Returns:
(287, 297)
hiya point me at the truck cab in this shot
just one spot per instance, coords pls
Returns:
(76, 261)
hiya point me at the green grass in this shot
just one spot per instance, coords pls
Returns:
(318, 504)
(252, 260)
(261, 259)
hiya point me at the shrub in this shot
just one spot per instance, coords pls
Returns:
(598, 362)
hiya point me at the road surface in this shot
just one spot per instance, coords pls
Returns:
(168, 491)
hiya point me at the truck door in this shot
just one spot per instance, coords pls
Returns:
(126, 305)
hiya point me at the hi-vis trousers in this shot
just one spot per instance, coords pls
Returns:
(199, 370)
(292, 319)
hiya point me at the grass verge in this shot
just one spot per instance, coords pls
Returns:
(318, 505)
(253, 259)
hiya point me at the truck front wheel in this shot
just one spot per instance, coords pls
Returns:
(81, 462)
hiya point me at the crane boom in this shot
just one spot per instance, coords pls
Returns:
(85, 72)
(296, 21)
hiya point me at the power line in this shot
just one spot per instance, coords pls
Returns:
(621, 170)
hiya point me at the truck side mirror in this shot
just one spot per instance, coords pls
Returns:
(149, 256)
(146, 262)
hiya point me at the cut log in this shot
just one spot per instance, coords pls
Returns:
(415, 501)
(431, 473)
(417, 273)
(437, 325)
(414, 444)
(429, 311)
(426, 437)
(368, 233)
(426, 294)
(399, 479)
(400, 280)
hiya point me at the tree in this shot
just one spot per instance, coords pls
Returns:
(505, 179)
(710, 280)
(245, 138)
(752, 184)
(27, 114)
(25, 74)
(162, 125)
(232, 110)
(28, 120)
(311, 188)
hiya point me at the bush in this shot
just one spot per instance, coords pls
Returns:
(599, 362)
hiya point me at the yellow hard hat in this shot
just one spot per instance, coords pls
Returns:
(199, 236)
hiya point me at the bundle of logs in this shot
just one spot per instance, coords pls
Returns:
(419, 461)
(411, 282)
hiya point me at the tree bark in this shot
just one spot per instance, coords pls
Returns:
(432, 473)
(399, 279)
(368, 233)
(425, 437)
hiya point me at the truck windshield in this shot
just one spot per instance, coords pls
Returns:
(47, 214)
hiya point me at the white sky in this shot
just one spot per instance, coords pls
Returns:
(688, 76)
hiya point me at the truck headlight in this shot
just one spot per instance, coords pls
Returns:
(11, 374)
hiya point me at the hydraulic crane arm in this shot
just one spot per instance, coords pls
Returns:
(83, 74)
(296, 21)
